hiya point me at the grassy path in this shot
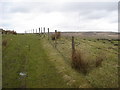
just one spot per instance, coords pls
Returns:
(41, 72)
(24, 53)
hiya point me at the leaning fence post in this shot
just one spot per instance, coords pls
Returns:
(73, 45)
(48, 33)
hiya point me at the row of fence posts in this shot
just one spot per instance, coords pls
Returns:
(43, 32)
(33, 30)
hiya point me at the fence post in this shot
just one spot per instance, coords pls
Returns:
(36, 31)
(48, 33)
(44, 31)
(73, 45)
(39, 31)
(55, 38)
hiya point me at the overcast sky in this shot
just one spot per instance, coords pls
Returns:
(73, 15)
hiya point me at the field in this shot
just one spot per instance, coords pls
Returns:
(45, 65)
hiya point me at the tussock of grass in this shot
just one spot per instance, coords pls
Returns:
(84, 62)
(53, 36)
(79, 62)
(58, 35)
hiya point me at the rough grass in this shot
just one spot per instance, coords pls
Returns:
(46, 67)
(99, 60)
(106, 72)
(73, 78)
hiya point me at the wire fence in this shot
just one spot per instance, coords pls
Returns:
(64, 44)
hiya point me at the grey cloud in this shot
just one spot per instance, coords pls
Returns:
(92, 6)
(60, 7)
(94, 14)
(97, 14)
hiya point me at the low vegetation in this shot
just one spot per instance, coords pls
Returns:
(94, 63)
(97, 61)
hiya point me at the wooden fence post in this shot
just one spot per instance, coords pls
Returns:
(48, 33)
(44, 31)
(73, 45)
(39, 31)
(55, 38)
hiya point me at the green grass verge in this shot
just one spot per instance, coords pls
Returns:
(24, 53)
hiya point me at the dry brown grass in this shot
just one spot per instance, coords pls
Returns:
(53, 36)
(58, 35)
(79, 62)
(84, 62)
